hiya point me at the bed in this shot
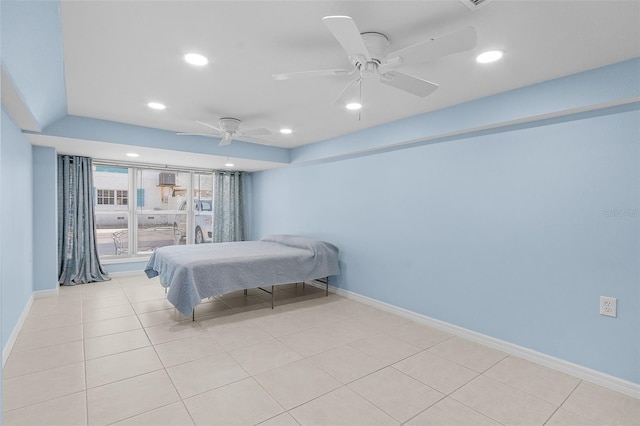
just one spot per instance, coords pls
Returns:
(192, 273)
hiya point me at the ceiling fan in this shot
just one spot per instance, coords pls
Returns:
(229, 130)
(369, 54)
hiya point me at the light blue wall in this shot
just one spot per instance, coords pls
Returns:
(45, 219)
(108, 131)
(16, 221)
(32, 56)
(514, 234)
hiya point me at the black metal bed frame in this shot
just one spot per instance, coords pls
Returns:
(324, 281)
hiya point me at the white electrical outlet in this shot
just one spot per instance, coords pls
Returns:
(608, 306)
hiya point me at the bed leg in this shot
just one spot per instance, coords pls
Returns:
(327, 288)
(193, 314)
(273, 291)
(245, 291)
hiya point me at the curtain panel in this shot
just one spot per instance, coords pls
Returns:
(78, 261)
(229, 219)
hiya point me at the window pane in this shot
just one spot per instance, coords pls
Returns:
(158, 212)
(202, 210)
(112, 220)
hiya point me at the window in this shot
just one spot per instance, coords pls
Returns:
(169, 207)
(105, 196)
(121, 198)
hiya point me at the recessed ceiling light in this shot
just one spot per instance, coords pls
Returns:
(132, 154)
(156, 105)
(228, 164)
(354, 106)
(196, 59)
(286, 131)
(489, 56)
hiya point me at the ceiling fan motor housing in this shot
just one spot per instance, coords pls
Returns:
(229, 125)
(377, 44)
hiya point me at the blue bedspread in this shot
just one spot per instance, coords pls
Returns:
(195, 272)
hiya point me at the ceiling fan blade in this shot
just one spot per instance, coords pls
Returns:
(210, 126)
(198, 134)
(256, 132)
(345, 30)
(427, 50)
(408, 83)
(254, 139)
(306, 74)
(226, 140)
(351, 93)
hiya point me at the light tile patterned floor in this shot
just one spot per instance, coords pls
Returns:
(118, 353)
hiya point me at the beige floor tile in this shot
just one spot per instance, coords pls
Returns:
(210, 308)
(397, 394)
(296, 383)
(603, 405)
(231, 318)
(53, 306)
(184, 350)
(341, 407)
(170, 415)
(312, 341)
(111, 368)
(50, 337)
(40, 359)
(283, 419)
(70, 410)
(419, 335)
(151, 305)
(450, 412)
(385, 348)
(347, 363)
(115, 343)
(201, 375)
(127, 398)
(98, 314)
(173, 331)
(110, 326)
(241, 302)
(51, 321)
(239, 336)
(348, 330)
(441, 374)
(564, 417)
(264, 356)
(240, 403)
(378, 321)
(503, 403)
(472, 355)
(42, 386)
(539, 381)
(137, 294)
(98, 302)
(319, 316)
(280, 324)
(150, 319)
(348, 307)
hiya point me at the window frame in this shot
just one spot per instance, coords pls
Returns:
(131, 196)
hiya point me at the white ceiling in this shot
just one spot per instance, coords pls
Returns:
(119, 55)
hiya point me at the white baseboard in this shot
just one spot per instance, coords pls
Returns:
(16, 330)
(41, 294)
(587, 374)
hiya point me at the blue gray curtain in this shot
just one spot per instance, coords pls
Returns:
(229, 206)
(78, 261)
